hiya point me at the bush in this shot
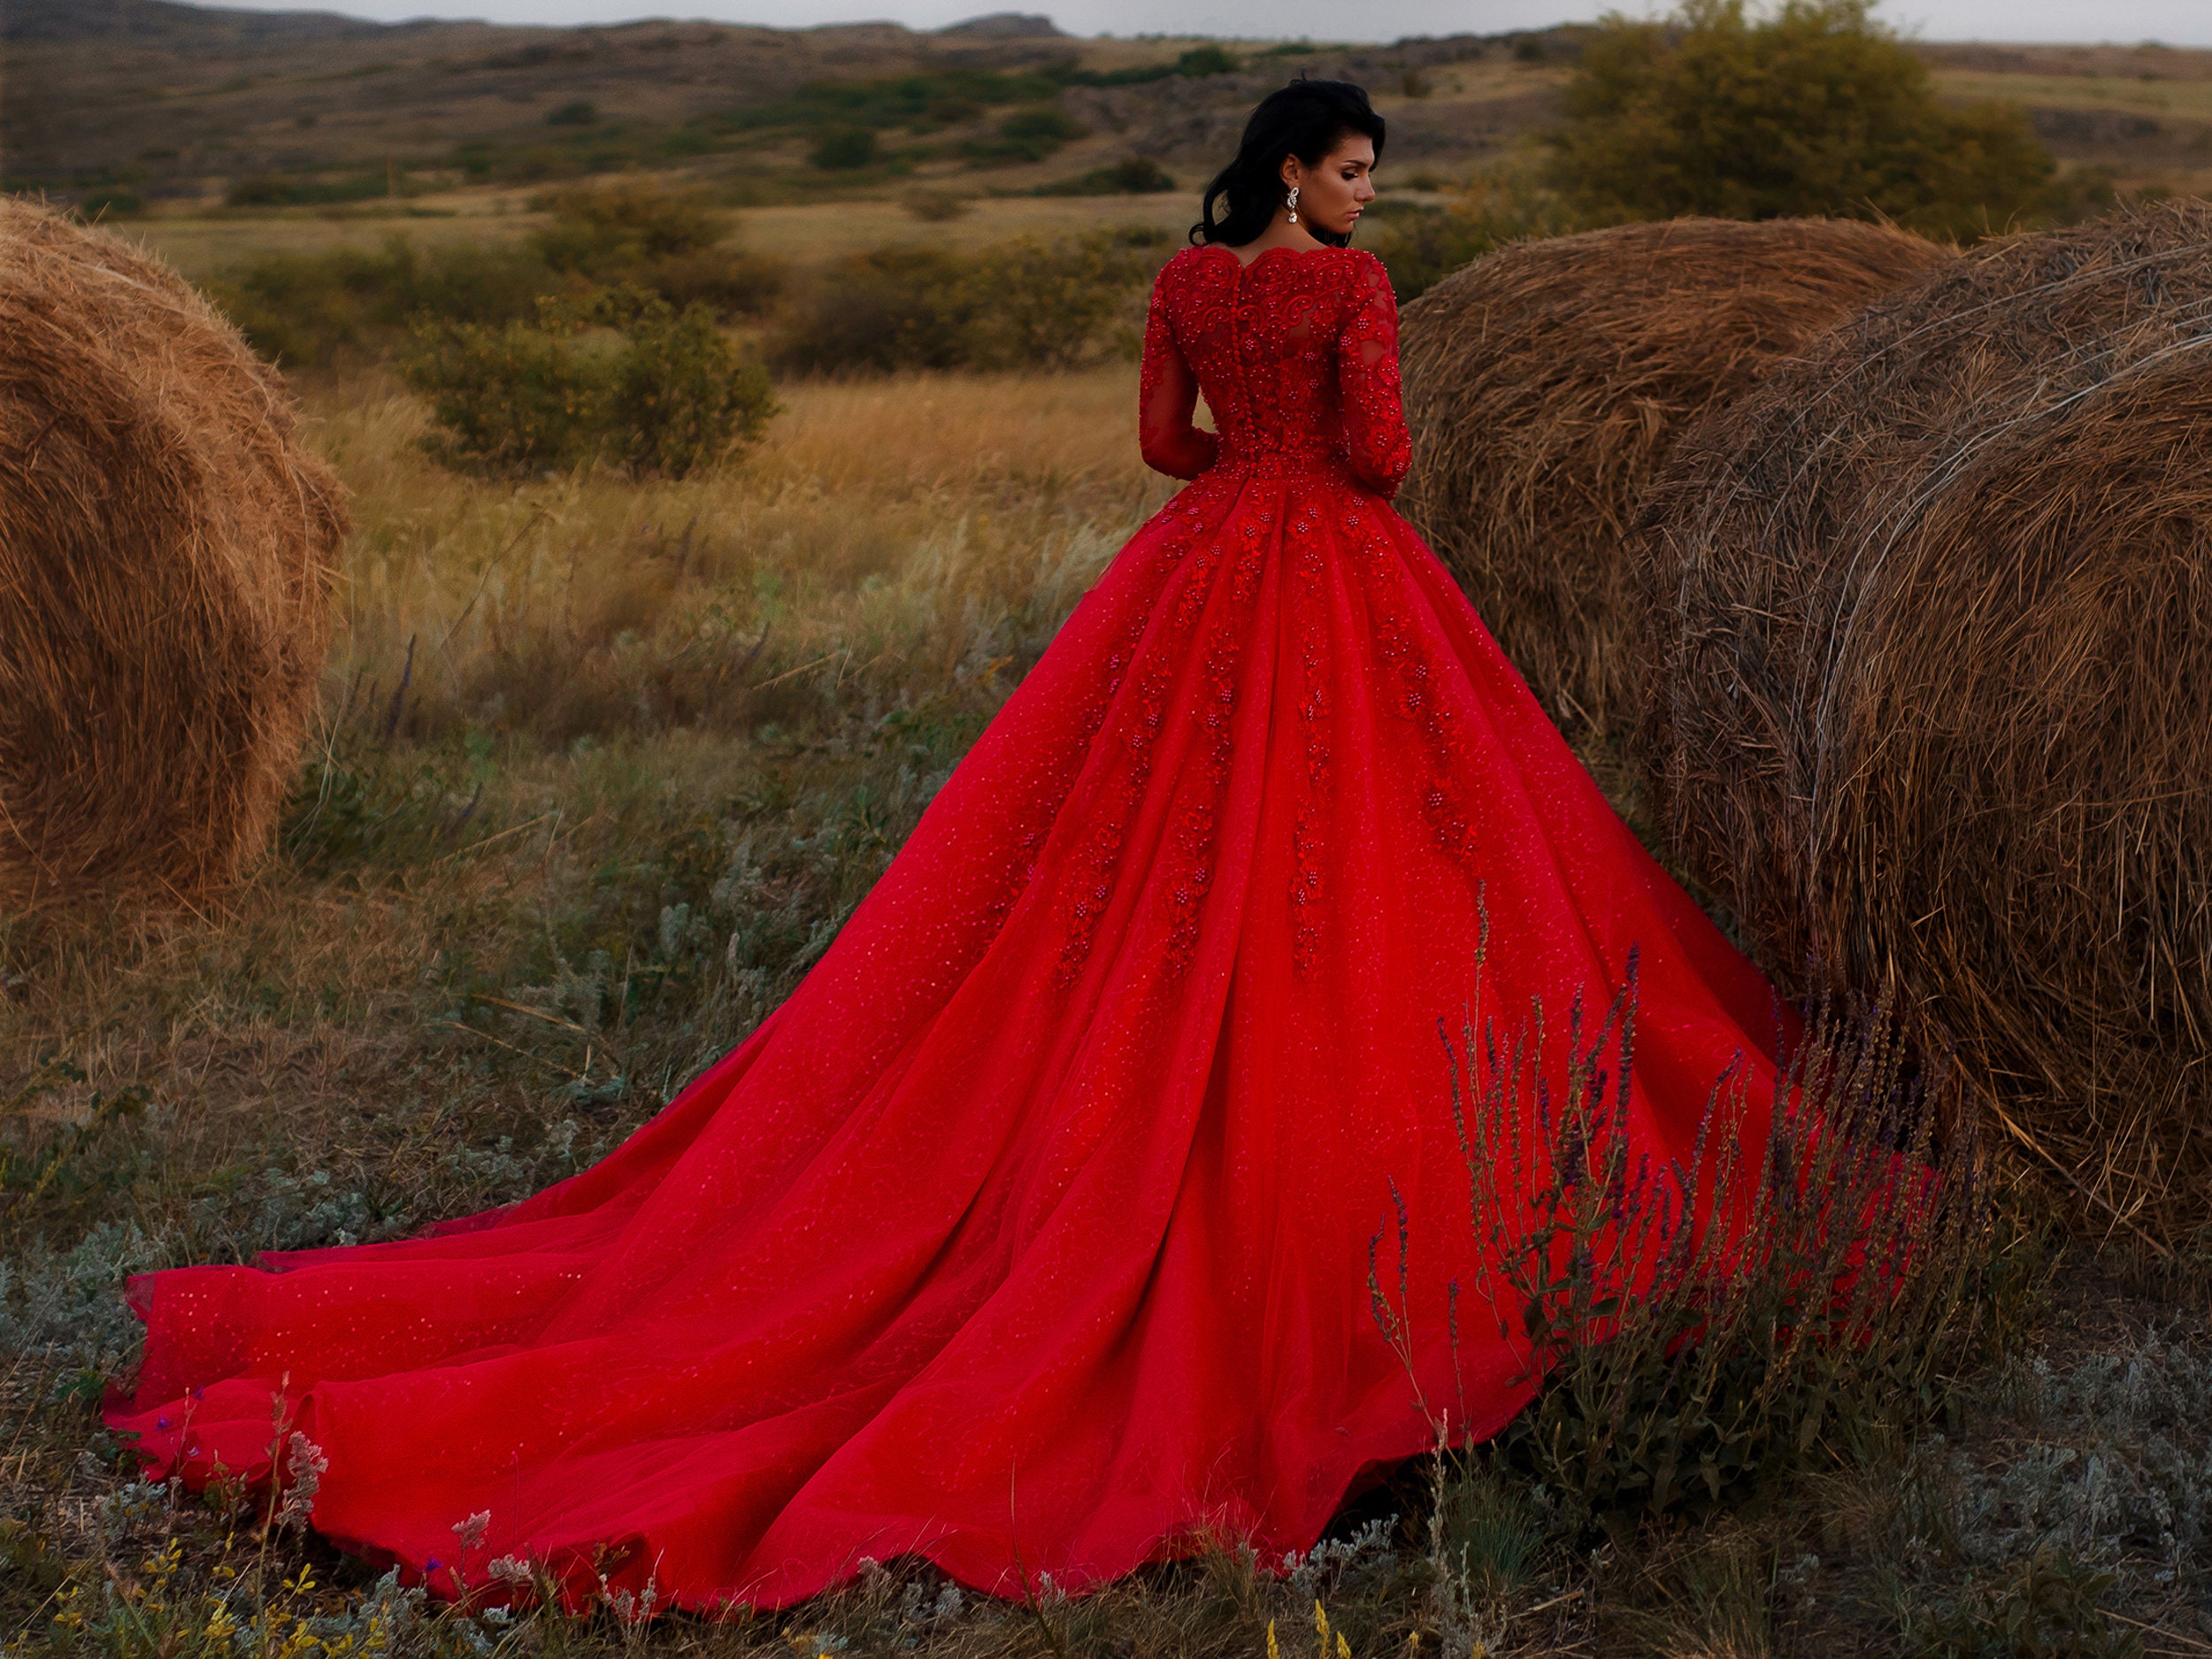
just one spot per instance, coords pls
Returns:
(1815, 110)
(1207, 60)
(1024, 304)
(1028, 134)
(1688, 1365)
(666, 240)
(843, 149)
(577, 113)
(624, 378)
(278, 189)
(679, 397)
(2046, 1608)
(892, 308)
(598, 231)
(1140, 175)
(934, 206)
(112, 204)
(314, 310)
(1038, 306)
(1421, 245)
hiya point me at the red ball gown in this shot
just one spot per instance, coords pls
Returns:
(1031, 1234)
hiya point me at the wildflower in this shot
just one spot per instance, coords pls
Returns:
(306, 1464)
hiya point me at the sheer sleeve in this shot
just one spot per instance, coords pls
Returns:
(1167, 394)
(1367, 378)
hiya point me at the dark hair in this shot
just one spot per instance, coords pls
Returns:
(1306, 120)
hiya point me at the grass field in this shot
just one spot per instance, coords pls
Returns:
(602, 766)
(200, 244)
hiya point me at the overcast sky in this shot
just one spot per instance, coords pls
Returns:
(2176, 22)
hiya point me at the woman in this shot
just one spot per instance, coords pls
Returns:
(1031, 1234)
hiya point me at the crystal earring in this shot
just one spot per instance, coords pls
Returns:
(1293, 205)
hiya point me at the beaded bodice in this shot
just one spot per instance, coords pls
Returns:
(1296, 354)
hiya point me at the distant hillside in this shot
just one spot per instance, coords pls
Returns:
(170, 101)
(181, 27)
(165, 101)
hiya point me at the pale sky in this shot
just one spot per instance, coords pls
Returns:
(2176, 22)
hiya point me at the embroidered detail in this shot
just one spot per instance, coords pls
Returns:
(1298, 351)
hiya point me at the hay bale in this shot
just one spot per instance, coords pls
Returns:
(165, 552)
(1936, 702)
(1545, 382)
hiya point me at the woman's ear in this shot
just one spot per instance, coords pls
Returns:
(1291, 170)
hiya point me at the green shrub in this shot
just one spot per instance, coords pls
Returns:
(1035, 305)
(1421, 244)
(843, 148)
(669, 242)
(1814, 108)
(618, 228)
(1207, 60)
(1028, 134)
(577, 113)
(1025, 304)
(892, 308)
(111, 203)
(1139, 175)
(516, 398)
(679, 397)
(1687, 1367)
(918, 101)
(314, 310)
(727, 282)
(624, 378)
(279, 189)
(2047, 1608)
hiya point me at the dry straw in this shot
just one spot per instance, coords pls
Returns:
(1546, 382)
(1936, 609)
(166, 552)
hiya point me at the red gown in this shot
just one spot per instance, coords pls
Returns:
(1031, 1234)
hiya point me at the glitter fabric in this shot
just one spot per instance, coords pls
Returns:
(1031, 1234)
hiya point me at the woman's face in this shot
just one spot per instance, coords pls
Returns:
(1331, 194)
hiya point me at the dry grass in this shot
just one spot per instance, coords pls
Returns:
(1547, 382)
(2191, 99)
(883, 532)
(1934, 601)
(165, 560)
(896, 543)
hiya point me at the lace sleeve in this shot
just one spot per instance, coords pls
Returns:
(1367, 377)
(1167, 394)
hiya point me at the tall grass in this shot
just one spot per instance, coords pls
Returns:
(882, 537)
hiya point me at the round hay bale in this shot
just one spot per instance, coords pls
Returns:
(1935, 710)
(1545, 382)
(165, 555)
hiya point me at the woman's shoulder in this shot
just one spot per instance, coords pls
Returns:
(1186, 258)
(1365, 267)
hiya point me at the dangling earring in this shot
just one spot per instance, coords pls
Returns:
(1293, 205)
